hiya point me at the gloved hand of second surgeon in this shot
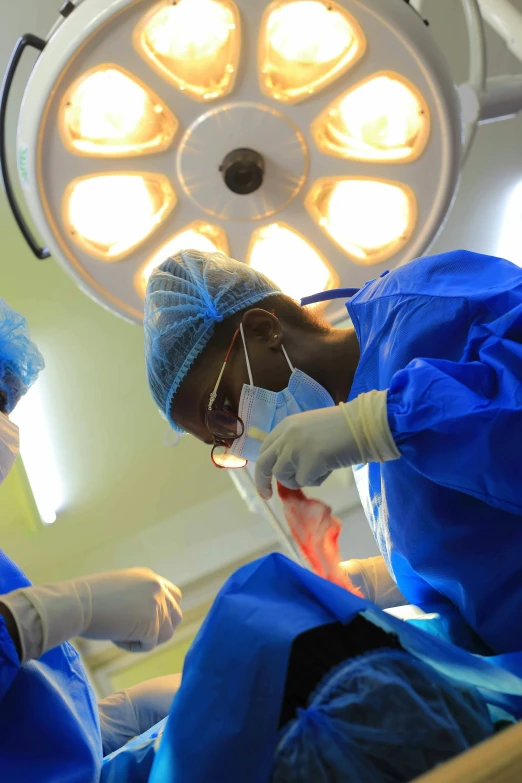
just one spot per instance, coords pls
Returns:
(128, 713)
(134, 608)
(375, 582)
(305, 448)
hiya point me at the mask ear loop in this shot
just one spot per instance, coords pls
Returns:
(292, 368)
(250, 378)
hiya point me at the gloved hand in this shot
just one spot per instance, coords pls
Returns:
(128, 713)
(134, 608)
(305, 448)
(373, 579)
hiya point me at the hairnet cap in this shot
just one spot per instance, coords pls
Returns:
(186, 296)
(20, 359)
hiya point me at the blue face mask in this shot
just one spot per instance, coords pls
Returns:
(265, 409)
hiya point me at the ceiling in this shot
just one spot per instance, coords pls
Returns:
(121, 481)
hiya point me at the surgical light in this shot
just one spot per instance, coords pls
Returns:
(194, 44)
(38, 455)
(197, 236)
(368, 219)
(108, 113)
(288, 259)
(110, 214)
(382, 119)
(321, 141)
(305, 45)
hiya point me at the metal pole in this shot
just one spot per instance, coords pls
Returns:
(506, 21)
(472, 91)
(501, 99)
(246, 487)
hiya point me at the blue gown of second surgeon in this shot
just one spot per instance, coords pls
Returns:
(444, 336)
(49, 725)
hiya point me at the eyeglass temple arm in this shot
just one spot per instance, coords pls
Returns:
(250, 378)
(213, 396)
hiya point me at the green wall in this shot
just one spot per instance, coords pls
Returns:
(17, 507)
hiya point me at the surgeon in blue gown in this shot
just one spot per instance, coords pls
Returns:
(51, 728)
(422, 396)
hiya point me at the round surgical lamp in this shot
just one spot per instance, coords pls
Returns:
(321, 142)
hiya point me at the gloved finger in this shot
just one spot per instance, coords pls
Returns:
(165, 632)
(309, 474)
(318, 481)
(289, 483)
(284, 473)
(170, 614)
(130, 646)
(146, 645)
(151, 700)
(173, 589)
(286, 470)
(263, 475)
(168, 621)
(172, 602)
(176, 615)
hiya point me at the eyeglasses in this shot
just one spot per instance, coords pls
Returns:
(224, 426)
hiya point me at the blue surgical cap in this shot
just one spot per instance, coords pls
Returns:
(20, 359)
(186, 297)
(385, 717)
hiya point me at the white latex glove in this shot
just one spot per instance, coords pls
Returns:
(128, 713)
(372, 577)
(135, 608)
(305, 448)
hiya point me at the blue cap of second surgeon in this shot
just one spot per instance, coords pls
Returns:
(186, 296)
(20, 359)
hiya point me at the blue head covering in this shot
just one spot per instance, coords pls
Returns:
(20, 359)
(186, 296)
(384, 717)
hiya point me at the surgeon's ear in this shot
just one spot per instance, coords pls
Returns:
(263, 326)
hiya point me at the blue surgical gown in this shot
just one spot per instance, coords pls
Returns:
(444, 336)
(49, 725)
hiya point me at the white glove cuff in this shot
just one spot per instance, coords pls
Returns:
(367, 418)
(64, 611)
(27, 623)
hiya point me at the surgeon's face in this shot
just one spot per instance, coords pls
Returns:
(263, 336)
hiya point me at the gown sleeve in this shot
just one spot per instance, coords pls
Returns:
(9, 661)
(459, 424)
